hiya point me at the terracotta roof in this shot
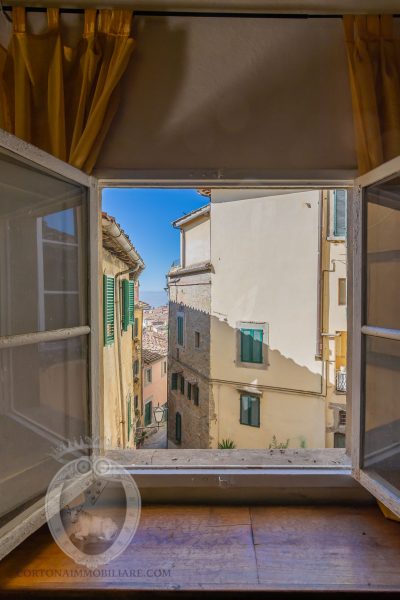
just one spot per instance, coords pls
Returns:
(114, 244)
(155, 342)
(149, 356)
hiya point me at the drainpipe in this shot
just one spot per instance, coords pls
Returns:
(119, 350)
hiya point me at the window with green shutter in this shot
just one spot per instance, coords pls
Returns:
(178, 428)
(148, 413)
(180, 330)
(108, 309)
(340, 213)
(196, 395)
(250, 410)
(127, 303)
(174, 381)
(251, 345)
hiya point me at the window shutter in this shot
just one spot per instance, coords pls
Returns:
(174, 381)
(340, 204)
(178, 427)
(246, 345)
(251, 342)
(189, 391)
(148, 409)
(182, 384)
(127, 303)
(108, 309)
(180, 330)
(257, 345)
(196, 395)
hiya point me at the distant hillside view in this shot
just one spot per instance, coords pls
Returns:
(155, 299)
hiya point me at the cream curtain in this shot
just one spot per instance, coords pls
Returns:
(59, 98)
(373, 51)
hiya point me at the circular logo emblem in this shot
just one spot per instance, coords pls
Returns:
(93, 510)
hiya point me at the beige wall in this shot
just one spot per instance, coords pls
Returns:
(116, 369)
(196, 242)
(137, 355)
(157, 389)
(264, 251)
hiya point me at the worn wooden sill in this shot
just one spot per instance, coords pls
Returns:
(236, 550)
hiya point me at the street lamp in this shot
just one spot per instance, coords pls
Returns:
(158, 413)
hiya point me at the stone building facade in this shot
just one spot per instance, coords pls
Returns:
(190, 406)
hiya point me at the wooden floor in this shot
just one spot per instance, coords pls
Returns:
(278, 548)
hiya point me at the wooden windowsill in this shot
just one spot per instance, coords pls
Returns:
(244, 548)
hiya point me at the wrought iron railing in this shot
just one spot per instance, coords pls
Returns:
(341, 381)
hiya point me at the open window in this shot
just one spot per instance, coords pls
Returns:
(60, 205)
(376, 333)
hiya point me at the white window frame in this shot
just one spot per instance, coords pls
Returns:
(382, 490)
(253, 473)
(33, 517)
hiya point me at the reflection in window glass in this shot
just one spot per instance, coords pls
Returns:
(42, 233)
(383, 255)
(44, 399)
(382, 408)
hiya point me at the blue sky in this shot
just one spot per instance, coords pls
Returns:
(146, 216)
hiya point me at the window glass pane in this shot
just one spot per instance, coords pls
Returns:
(383, 255)
(382, 408)
(42, 250)
(44, 401)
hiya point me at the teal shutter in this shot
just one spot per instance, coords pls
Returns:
(174, 381)
(182, 384)
(196, 395)
(127, 303)
(108, 309)
(178, 428)
(250, 411)
(148, 410)
(251, 345)
(340, 210)
(180, 330)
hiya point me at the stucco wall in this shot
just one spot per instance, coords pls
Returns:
(112, 367)
(156, 391)
(196, 239)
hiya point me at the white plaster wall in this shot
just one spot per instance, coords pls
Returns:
(196, 243)
(264, 252)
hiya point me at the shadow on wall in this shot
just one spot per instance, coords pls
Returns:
(292, 404)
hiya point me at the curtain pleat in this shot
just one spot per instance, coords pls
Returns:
(373, 52)
(59, 98)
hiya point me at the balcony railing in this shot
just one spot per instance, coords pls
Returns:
(341, 381)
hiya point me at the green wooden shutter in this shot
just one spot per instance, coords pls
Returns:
(257, 345)
(108, 309)
(182, 384)
(174, 381)
(196, 395)
(180, 330)
(127, 303)
(250, 411)
(246, 343)
(178, 428)
(251, 342)
(340, 209)
(148, 410)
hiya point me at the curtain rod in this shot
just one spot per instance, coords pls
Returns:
(181, 13)
(199, 13)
